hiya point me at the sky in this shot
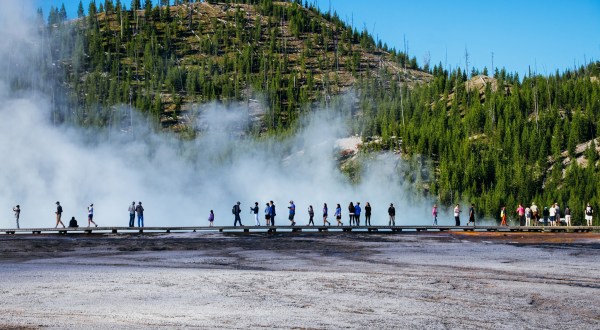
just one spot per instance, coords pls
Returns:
(543, 36)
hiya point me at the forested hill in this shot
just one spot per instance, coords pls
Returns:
(161, 59)
(487, 137)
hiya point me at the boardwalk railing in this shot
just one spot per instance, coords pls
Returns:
(297, 229)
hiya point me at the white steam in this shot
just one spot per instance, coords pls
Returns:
(179, 182)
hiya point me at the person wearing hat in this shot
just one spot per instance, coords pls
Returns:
(132, 214)
(140, 213)
(17, 210)
(91, 215)
(236, 212)
(59, 211)
(255, 211)
(535, 214)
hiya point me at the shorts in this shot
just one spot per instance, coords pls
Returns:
(267, 217)
(552, 218)
(291, 217)
(588, 217)
(338, 217)
(90, 216)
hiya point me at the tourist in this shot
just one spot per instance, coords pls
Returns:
(457, 215)
(535, 214)
(357, 211)
(521, 213)
(351, 210)
(589, 212)
(311, 215)
(132, 214)
(503, 216)
(59, 211)
(91, 215)
(268, 214)
(557, 219)
(325, 215)
(139, 209)
(236, 214)
(292, 209)
(272, 213)
(434, 213)
(527, 216)
(211, 218)
(392, 215)
(368, 214)
(545, 215)
(17, 210)
(567, 216)
(338, 215)
(471, 214)
(552, 213)
(73, 223)
(255, 211)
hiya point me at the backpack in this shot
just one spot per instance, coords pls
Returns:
(233, 210)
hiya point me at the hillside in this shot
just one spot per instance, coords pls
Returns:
(279, 56)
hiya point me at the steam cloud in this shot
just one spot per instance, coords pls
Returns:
(177, 182)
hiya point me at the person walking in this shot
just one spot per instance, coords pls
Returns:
(351, 213)
(236, 213)
(254, 210)
(589, 212)
(457, 215)
(132, 214)
(434, 214)
(91, 215)
(325, 215)
(268, 214)
(521, 213)
(367, 214)
(211, 218)
(292, 213)
(392, 215)
(503, 216)
(139, 209)
(338, 215)
(567, 216)
(17, 210)
(471, 214)
(59, 211)
(272, 213)
(357, 211)
(311, 215)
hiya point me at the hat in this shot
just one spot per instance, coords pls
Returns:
(57, 203)
(91, 204)
(238, 203)
(255, 203)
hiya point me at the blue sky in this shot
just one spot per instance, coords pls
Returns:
(545, 35)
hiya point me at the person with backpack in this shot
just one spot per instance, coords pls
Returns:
(140, 214)
(59, 211)
(255, 211)
(392, 214)
(17, 210)
(589, 212)
(368, 214)
(132, 214)
(311, 215)
(357, 211)
(236, 213)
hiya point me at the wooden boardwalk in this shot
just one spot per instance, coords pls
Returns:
(295, 229)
